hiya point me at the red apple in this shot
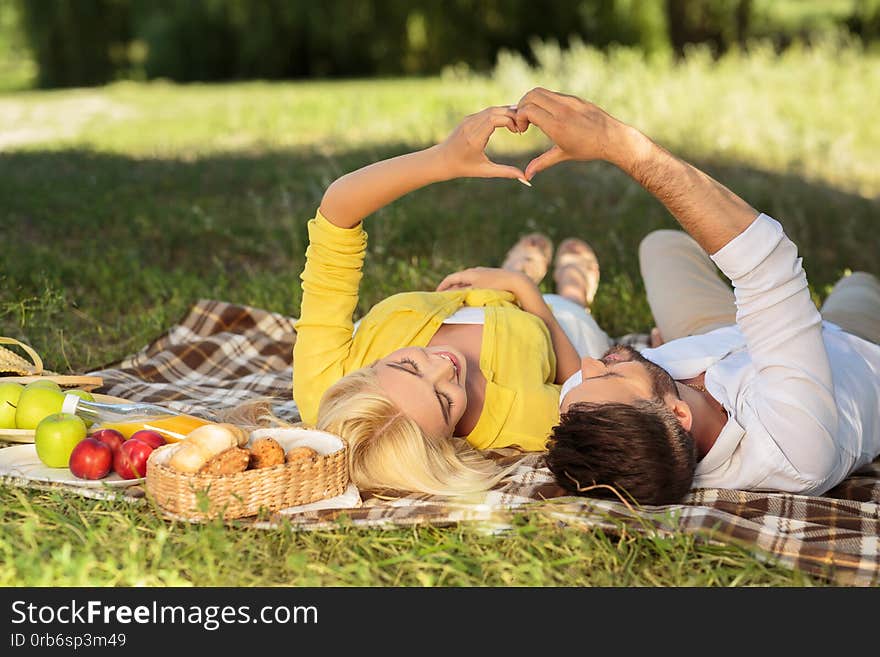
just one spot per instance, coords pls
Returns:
(153, 438)
(130, 462)
(110, 437)
(91, 459)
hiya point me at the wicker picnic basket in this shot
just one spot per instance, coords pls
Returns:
(17, 369)
(204, 496)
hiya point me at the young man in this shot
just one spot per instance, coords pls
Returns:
(752, 390)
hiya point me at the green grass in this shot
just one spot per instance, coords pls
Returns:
(123, 205)
(99, 543)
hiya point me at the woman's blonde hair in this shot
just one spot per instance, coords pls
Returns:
(389, 451)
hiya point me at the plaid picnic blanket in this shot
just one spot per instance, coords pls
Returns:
(222, 354)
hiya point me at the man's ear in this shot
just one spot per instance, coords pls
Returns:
(682, 412)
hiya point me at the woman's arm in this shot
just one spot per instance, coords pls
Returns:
(337, 245)
(530, 299)
(359, 194)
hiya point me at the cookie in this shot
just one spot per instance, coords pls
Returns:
(300, 453)
(266, 452)
(229, 461)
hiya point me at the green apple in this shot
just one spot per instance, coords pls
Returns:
(35, 403)
(44, 383)
(9, 394)
(82, 394)
(56, 436)
(85, 396)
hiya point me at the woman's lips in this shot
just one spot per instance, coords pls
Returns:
(454, 360)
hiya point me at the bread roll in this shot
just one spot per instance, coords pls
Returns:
(230, 461)
(300, 453)
(203, 443)
(266, 452)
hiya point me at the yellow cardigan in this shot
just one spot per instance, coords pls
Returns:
(516, 354)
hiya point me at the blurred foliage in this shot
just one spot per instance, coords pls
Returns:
(17, 68)
(228, 39)
(73, 42)
(88, 42)
(866, 20)
(720, 23)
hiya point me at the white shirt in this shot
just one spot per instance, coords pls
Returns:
(802, 396)
(467, 315)
(578, 324)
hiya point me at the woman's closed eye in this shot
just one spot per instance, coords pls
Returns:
(449, 402)
(411, 363)
(445, 409)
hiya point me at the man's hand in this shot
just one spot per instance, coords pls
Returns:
(579, 129)
(464, 151)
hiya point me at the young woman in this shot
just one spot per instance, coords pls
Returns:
(426, 377)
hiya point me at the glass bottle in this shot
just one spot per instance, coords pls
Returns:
(131, 417)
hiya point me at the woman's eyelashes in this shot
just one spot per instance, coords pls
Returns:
(446, 397)
(411, 363)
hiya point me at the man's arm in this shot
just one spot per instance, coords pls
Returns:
(711, 213)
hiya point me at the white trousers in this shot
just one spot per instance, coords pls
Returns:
(580, 327)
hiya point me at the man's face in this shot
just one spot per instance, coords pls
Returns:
(622, 375)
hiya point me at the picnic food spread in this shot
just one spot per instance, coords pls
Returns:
(191, 466)
(221, 449)
(221, 470)
(215, 469)
(70, 429)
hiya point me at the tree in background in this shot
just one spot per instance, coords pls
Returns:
(74, 43)
(865, 20)
(86, 42)
(721, 23)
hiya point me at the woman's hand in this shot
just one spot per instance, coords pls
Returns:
(487, 277)
(464, 151)
(530, 300)
(521, 286)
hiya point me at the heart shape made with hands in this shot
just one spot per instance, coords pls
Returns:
(577, 130)
(552, 156)
(466, 146)
(468, 142)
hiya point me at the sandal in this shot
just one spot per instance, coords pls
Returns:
(531, 256)
(576, 271)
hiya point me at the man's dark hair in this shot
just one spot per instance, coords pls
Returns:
(639, 449)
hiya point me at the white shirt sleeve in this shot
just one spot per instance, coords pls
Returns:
(792, 394)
